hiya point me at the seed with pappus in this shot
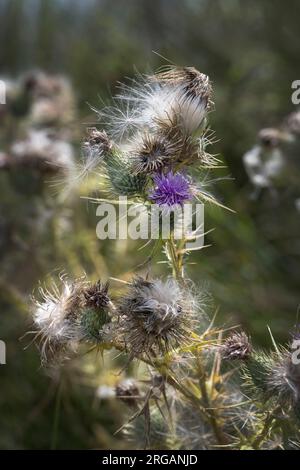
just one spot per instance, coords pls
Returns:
(237, 346)
(156, 316)
(171, 190)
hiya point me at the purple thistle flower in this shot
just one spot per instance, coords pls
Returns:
(171, 190)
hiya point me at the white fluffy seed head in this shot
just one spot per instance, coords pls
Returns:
(156, 316)
(53, 312)
(55, 318)
(179, 97)
(169, 105)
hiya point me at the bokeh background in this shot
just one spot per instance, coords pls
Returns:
(251, 51)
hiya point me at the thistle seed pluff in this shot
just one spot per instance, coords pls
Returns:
(155, 316)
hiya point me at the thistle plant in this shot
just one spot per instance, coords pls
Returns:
(208, 387)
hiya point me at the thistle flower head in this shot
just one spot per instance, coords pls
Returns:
(96, 295)
(269, 137)
(69, 314)
(54, 317)
(95, 314)
(194, 83)
(152, 152)
(180, 97)
(236, 346)
(171, 190)
(283, 379)
(120, 180)
(155, 316)
(185, 97)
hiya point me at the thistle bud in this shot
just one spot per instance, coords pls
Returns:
(236, 347)
(95, 312)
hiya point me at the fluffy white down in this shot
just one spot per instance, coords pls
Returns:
(163, 295)
(165, 103)
(49, 315)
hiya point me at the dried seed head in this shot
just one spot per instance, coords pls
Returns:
(152, 153)
(96, 295)
(56, 319)
(195, 83)
(283, 378)
(178, 98)
(155, 316)
(98, 138)
(70, 314)
(237, 346)
(128, 391)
